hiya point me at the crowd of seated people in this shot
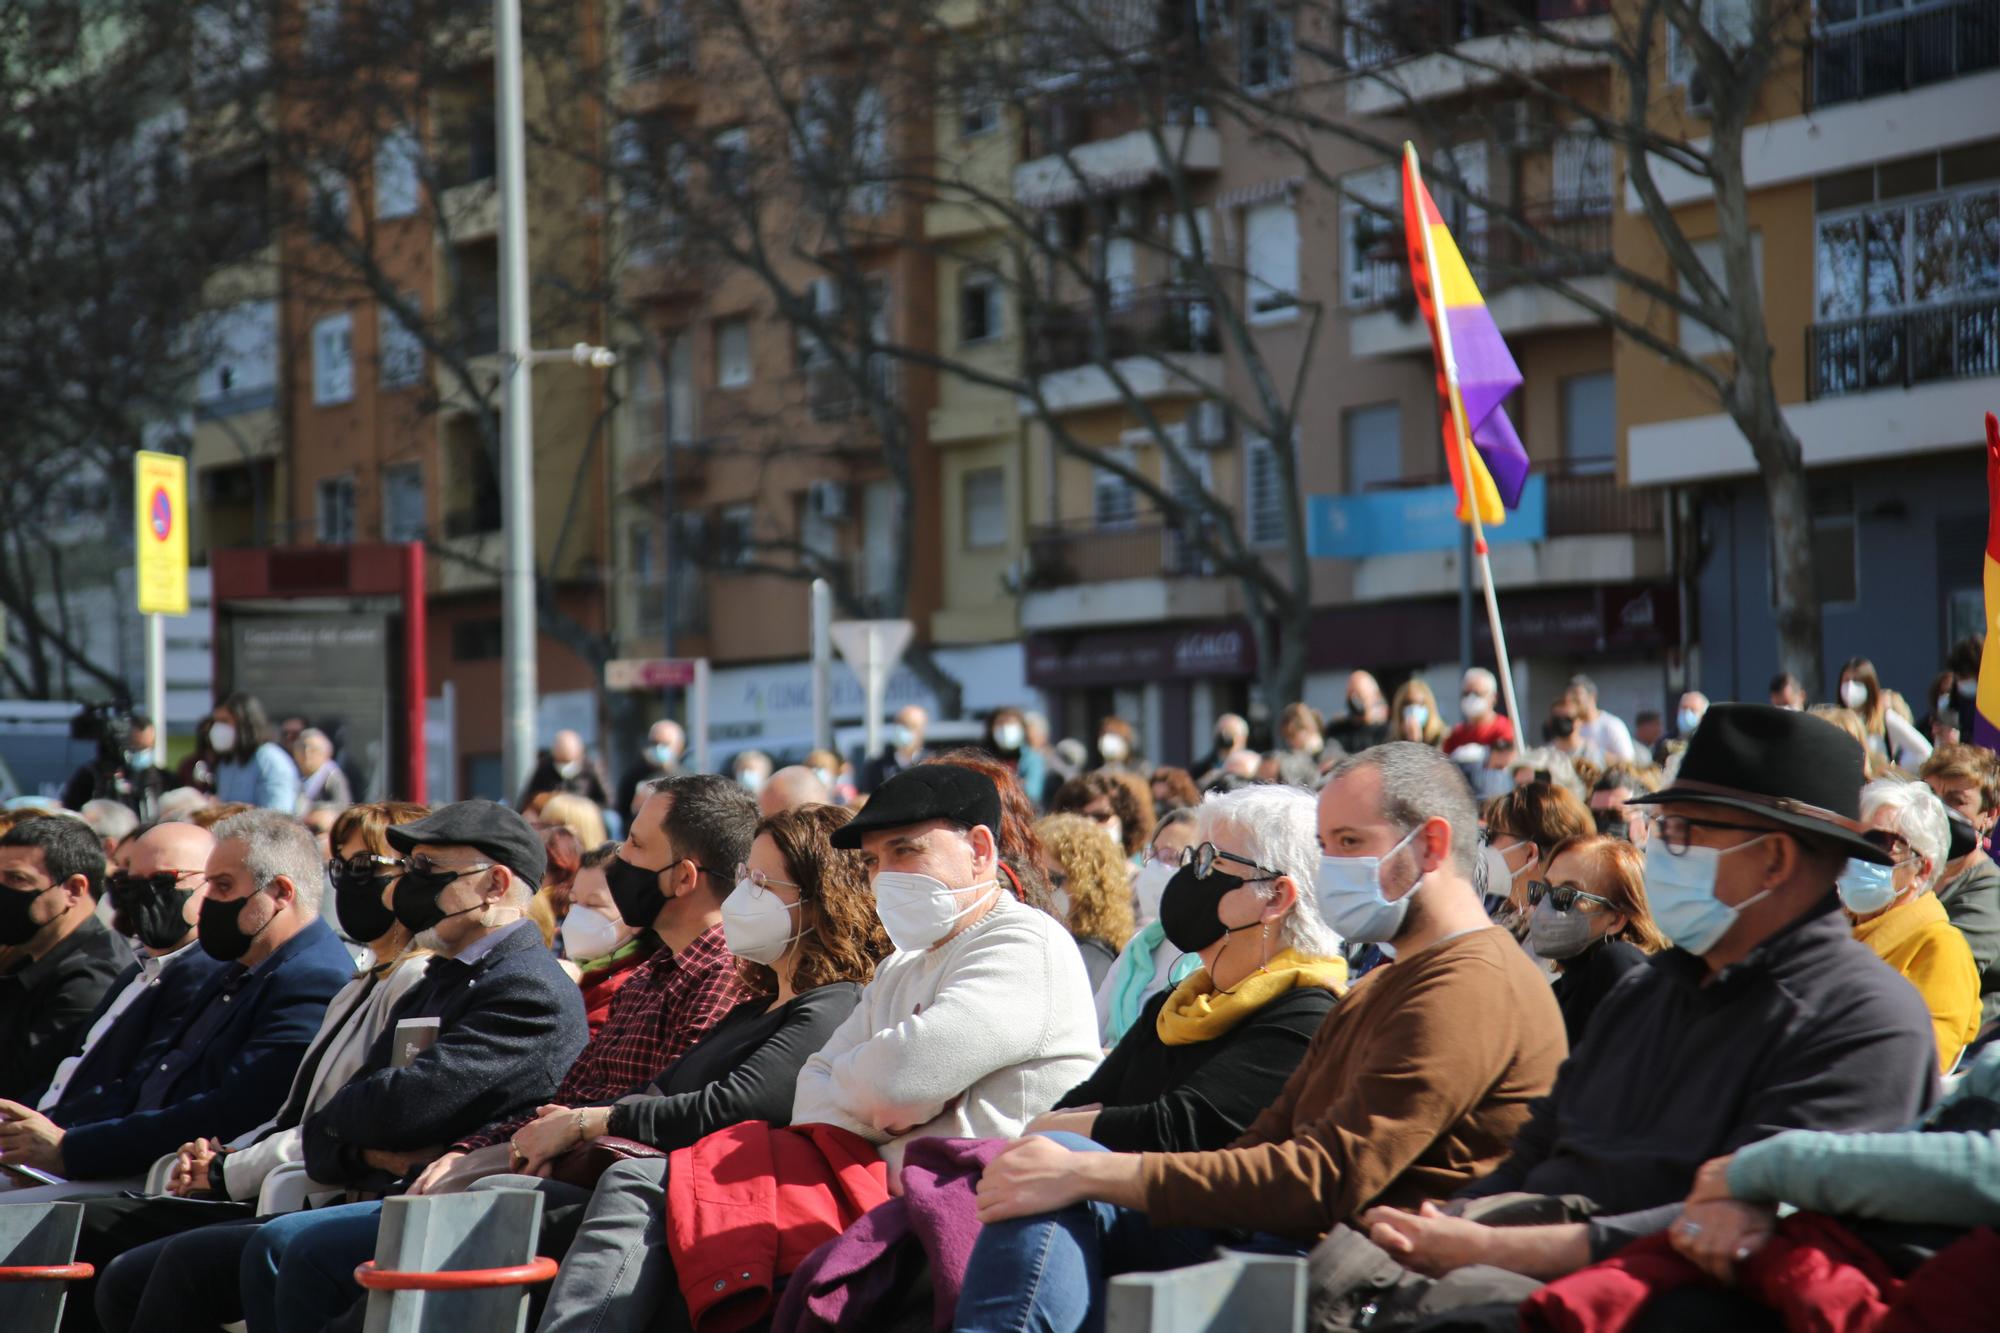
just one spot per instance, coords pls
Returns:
(925, 1061)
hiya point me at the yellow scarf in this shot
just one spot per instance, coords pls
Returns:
(1196, 1011)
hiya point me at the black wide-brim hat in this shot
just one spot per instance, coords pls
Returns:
(1791, 768)
(920, 794)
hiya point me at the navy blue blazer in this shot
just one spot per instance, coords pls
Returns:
(224, 1071)
(509, 1027)
(100, 1088)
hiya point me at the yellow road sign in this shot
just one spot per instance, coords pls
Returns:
(160, 496)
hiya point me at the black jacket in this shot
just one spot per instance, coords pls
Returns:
(1201, 1096)
(745, 1068)
(1587, 979)
(628, 786)
(1811, 1031)
(588, 783)
(98, 1088)
(510, 1025)
(45, 1006)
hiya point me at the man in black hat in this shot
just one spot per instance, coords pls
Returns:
(1766, 1015)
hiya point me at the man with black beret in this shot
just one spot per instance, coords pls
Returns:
(1766, 1015)
(488, 1032)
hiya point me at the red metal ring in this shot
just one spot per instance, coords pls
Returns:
(48, 1273)
(460, 1279)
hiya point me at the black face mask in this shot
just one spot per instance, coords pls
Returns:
(357, 901)
(221, 929)
(1964, 837)
(16, 925)
(1559, 728)
(1188, 908)
(416, 898)
(150, 908)
(636, 890)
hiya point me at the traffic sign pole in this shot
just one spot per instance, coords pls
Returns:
(156, 685)
(871, 648)
(160, 573)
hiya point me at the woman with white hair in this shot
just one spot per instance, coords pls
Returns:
(1210, 1053)
(1896, 914)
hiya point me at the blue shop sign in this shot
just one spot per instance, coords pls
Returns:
(1349, 527)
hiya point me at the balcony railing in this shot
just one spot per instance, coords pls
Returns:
(1570, 238)
(1892, 53)
(1907, 347)
(1156, 321)
(656, 42)
(1391, 30)
(1584, 499)
(832, 395)
(1061, 555)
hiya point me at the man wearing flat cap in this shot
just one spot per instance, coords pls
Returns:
(1766, 1015)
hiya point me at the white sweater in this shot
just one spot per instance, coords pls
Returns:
(971, 1040)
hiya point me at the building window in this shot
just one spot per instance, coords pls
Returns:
(1590, 423)
(1191, 486)
(327, 202)
(1264, 492)
(403, 503)
(468, 482)
(1371, 237)
(396, 177)
(399, 347)
(686, 587)
(1582, 165)
(1271, 236)
(735, 535)
(985, 508)
(641, 565)
(1372, 453)
(881, 552)
(336, 510)
(732, 353)
(980, 312)
(1265, 42)
(1697, 339)
(978, 112)
(729, 159)
(476, 640)
(1113, 501)
(240, 362)
(333, 360)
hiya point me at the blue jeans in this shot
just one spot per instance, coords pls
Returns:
(298, 1271)
(1048, 1273)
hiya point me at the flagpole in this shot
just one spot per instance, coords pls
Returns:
(1456, 408)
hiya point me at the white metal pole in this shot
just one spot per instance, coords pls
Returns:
(875, 681)
(517, 478)
(698, 715)
(156, 685)
(822, 664)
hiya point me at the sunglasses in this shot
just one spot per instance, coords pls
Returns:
(745, 875)
(1562, 896)
(1204, 856)
(161, 881)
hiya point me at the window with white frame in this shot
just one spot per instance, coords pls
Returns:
(1271, 244)
(683, 409)
(732, 353)
(1264, 42)
(1189, 486)
(870, 194)
(1371, 237)
(327, 202)
(880, 550)
(397, 159)
(1885, 257)
(335, 513)
(1114, 503)
(1590, 422)
(735, 535)
(1582, 168)
(1697, 338)
(333, 360)
(981, 307)
(399, 347)
(240, 359)
(1265, 497)
(985, 496)
(403, 503)
(1371, 447)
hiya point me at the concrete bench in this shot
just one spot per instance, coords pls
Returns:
(37, 1253)
(1232, 1294)
(455, 1262)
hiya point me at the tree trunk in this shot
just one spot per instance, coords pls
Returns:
(1796, 605)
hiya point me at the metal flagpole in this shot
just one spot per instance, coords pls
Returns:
(1456, 408)
(518, 685)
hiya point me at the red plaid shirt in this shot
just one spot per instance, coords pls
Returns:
(669, 1004)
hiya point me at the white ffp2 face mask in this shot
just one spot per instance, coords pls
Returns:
(919, 910)
(588, 933)
(1147, 889)
(757, 924)
(222, 738)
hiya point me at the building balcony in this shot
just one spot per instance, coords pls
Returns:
(1893, 53)
(1116, 165)
(1080, 573)
(1581, 499)
(1162, 342)
(656, 60)
(1904, 349)
(832, 395)
(1401, 47)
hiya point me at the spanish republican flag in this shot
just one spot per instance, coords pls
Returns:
(1475, 371)
(1986, 725)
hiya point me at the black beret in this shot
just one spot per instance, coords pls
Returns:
(918, 795)
(487, 826)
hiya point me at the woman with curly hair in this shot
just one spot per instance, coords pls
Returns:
(1093, 893)
(1122, 808)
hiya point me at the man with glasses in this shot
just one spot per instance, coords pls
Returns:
(669, 876)
(155, 894)
(1414, 1084)
(1766, 1015)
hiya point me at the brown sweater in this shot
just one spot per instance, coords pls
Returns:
(1414, 1085)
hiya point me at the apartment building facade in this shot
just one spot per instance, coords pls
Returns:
(1875, 180)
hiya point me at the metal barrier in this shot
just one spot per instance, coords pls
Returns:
(455, 1262)
(37, 1264)
(1235, 1292)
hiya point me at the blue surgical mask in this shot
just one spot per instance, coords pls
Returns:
(900, 736)
(1689, 720)
(663, 755)
(139, 760)
(1866, 888)
(1351, 900)
(1680, 888)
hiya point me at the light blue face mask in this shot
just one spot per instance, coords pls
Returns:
(1349, 889)
(1680, 888)
(139, 760)
(1689, 720)
(1866, 888)
(663, 755)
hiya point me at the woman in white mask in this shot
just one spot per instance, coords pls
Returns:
(1587, 919)
(1148, 963)
(596, 941)
(801, 921)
